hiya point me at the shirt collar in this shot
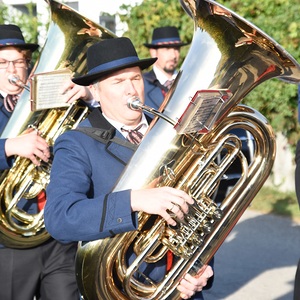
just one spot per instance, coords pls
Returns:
(119, 125)
(3, 94)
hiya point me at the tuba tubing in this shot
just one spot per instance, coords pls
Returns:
(227, 53)
(68, 38)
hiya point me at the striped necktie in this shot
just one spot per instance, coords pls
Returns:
(134, 136)
(168, 83)
(167, 86)
(10, 102)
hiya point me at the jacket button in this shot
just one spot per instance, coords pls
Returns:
(119, 220)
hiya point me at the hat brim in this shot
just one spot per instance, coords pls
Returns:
(31, 47)
(90, 78)
(166, 45)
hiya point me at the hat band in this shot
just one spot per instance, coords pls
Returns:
(11, 42)
(113, 64)
(166, 41)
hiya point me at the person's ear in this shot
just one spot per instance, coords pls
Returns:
(94, 90)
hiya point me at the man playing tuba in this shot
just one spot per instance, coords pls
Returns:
(81, 205)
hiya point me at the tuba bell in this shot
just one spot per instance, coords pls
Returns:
(228, 57)
(68, 38)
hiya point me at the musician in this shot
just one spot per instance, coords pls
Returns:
(45, 271)
(81, 205)
(165, 46)
(297, 188)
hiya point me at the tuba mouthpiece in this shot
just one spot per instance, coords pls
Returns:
(134, 103)
(15, 80)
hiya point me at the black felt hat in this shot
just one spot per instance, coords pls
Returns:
(109, 56)
(165, 37)
(11, 35)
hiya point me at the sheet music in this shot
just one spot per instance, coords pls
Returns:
(46, 89)
(202, 112)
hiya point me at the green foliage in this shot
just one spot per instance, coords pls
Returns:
(277, 100)
(3, 13)
(280, 19)
(142, 19)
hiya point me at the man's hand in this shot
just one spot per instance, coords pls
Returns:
(29, 145)
(189, 285)
(167, 202)
(73, 92)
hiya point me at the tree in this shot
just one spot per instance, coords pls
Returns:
(141, 20)
(275, 99)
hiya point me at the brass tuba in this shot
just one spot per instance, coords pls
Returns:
(228, 58)
(68, 38)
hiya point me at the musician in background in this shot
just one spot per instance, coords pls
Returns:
(81, 204)
(297, 188)
(45, 271)
(165, 46)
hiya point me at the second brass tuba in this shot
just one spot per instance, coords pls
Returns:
(228, 58)
(68, 38)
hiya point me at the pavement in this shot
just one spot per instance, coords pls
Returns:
(258, 260)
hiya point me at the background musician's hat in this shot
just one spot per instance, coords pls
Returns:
(109, 56)
(11, 35)
(165, 37)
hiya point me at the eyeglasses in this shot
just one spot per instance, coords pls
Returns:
(18, 63)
